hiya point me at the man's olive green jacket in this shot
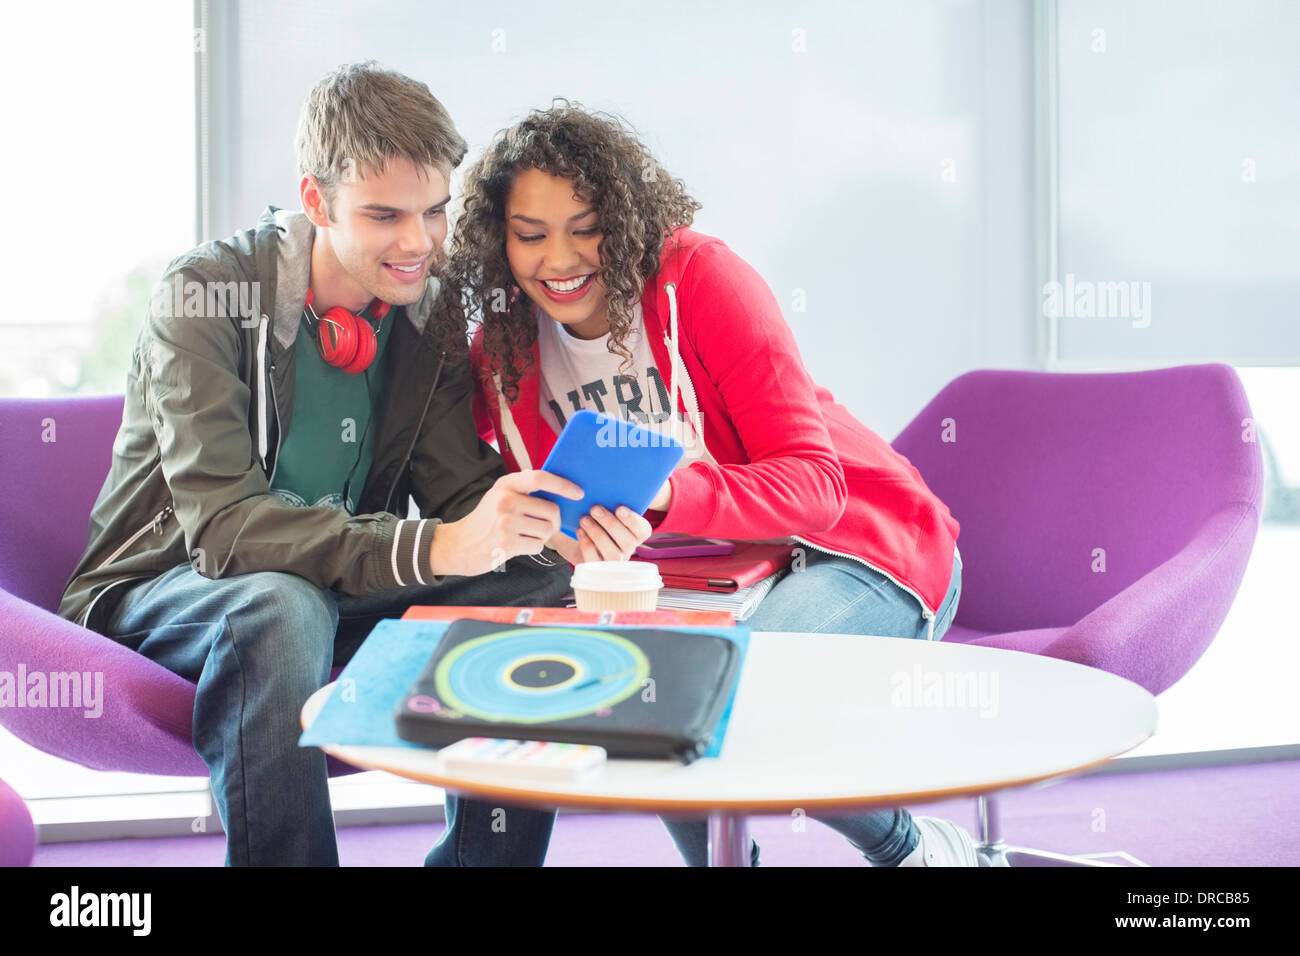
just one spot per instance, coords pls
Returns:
(209, 398)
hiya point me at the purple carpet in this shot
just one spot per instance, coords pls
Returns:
(1218, 816)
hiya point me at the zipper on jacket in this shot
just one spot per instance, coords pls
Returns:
(155, 524)
(262, 423)
(926, 613)
(397, 477)
(279, 432)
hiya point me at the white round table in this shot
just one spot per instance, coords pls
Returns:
(845, 722)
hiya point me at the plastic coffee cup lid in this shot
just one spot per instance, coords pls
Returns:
(616, 576)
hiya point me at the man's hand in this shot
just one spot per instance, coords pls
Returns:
(507, 521)
(603, 536)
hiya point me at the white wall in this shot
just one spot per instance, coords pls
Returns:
(886, 170)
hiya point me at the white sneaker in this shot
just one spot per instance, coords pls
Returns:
(942, 843)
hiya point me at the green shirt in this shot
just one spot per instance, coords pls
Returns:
(328, 437)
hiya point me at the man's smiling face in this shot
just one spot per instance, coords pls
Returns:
(386, 229)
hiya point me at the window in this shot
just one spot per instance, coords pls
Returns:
(1178, 166)
(99, 167)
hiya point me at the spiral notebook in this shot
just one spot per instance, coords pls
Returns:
(740, 603)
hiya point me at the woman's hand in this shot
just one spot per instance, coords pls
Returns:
(603, 536)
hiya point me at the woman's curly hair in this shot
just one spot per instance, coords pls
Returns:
(638, 204)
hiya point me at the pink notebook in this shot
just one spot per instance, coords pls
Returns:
(748, 564)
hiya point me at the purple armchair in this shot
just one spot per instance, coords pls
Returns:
(44, 518)
(17, 832)
(1106, 519)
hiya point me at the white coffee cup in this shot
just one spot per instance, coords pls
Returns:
(616, 585)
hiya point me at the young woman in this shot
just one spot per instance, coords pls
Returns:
(591, 292)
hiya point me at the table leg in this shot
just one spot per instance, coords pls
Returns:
(728, 839)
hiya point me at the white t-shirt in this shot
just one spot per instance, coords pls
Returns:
(582, 373)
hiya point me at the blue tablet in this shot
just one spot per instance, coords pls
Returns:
(615, 462)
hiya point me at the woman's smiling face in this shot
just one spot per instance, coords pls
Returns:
(553, 247)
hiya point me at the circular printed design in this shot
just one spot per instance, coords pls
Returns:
(531, 675)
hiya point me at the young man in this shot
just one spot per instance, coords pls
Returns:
(248, 536)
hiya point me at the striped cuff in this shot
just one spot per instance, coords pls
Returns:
(545, 561)
(410, 552)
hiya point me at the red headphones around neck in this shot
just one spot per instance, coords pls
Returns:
(345, 340)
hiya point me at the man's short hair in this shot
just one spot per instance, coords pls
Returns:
(361, 115)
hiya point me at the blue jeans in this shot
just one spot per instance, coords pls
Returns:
(837, 596)
(258, 645)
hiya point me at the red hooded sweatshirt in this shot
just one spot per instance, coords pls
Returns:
(791, 461)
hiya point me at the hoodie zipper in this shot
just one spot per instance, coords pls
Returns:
(926, 613)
